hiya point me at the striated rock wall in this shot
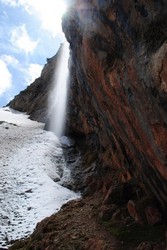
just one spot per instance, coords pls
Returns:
(118, 91)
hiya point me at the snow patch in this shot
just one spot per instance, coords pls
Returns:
(31, 160)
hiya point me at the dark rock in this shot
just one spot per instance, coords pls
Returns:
(144, 211)
(118, 89)
(106, 212)
(114, 195)
(159, 246)
(28, 191)
(133, 211)
(153, 216)
(145, 246)
(34, 99)
(119, 194)
(151, 246)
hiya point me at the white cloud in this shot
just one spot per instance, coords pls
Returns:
(34, 71)
(29, 72)
(10, 60)
(12, 3)
(21, 40)
(49, 12)
(6, 77)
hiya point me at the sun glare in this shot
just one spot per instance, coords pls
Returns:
(50, 13)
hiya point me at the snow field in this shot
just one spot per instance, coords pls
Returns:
(31, 160)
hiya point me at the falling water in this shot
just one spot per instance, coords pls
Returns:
(59, 93)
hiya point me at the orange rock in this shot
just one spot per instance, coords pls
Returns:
(133, 211)
(95, 244)
(119, 76)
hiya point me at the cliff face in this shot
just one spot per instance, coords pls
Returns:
(118, 91)
(34, 99)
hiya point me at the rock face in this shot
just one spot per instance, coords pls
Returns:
(118, 91)
(34, 99)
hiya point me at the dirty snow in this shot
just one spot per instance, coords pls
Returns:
(31, 161)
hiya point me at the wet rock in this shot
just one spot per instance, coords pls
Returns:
(67, 141)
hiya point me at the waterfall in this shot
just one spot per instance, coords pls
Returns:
(58, 97)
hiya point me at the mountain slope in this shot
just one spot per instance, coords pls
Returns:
(34, 99)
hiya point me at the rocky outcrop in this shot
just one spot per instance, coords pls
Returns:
(118, 91)
(76, 226)
(34, 99)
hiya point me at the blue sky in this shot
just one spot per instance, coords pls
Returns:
(30, 32)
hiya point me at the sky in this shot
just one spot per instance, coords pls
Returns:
(30, 32)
